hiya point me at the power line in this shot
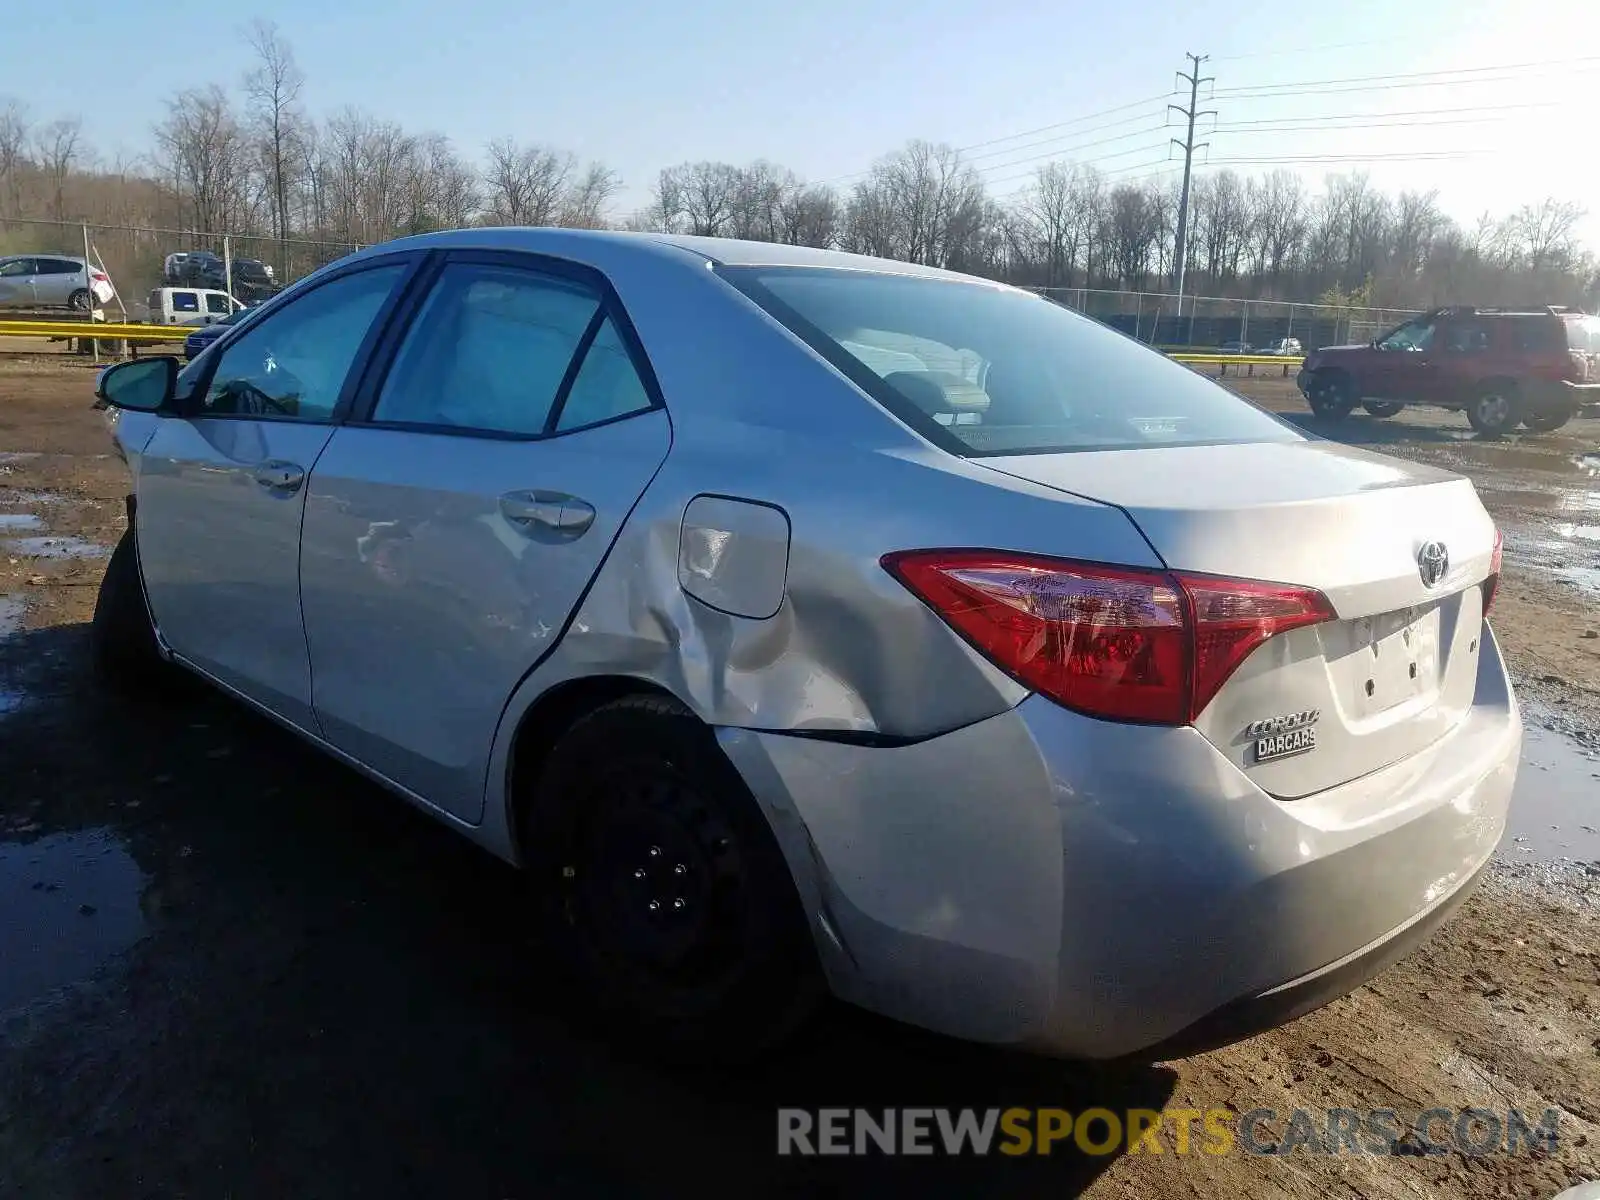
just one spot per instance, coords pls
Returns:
(1284, 53)
(1415, 112)
(1011, 137)
(1300, 86)
(1085, 163)
(1081, 133)
(1062, 152)
(1417, 156)
(1405, 123)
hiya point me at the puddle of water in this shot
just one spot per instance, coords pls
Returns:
(71, 901)
(55, 547)
(1589, 463)
(11, 456)
(1504, 457)
(1572, 559)
(10, 498)
(1586, 579)
(19, 521)
(1590, 533)
(1555, 808)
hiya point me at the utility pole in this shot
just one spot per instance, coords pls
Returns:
(1188, 147)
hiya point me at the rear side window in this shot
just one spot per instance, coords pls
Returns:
(983, 370)
(1466, 337)
(1541, 334)
(185, 302)
(489, 351)
(58, 266)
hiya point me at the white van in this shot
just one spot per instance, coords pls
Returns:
(190, 306)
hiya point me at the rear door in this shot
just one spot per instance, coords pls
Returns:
(54, 281)
(450, 533)
(1463, 352)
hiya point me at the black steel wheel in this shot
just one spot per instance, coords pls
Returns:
(668, 897)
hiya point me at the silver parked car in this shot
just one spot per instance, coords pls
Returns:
(806, 622)
(52, 281)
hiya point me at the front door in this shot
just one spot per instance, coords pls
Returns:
(222, 488)
(16, 283)
(449, 537)
(1405, 367)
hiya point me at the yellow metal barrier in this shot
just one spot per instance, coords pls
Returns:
(96, 329)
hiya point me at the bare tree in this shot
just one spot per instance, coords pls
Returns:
(57, 146)
(273, 92)
(15, 131)
(209, 160)
(1545, 233)
(526, 184)
(697, 198)
(589, 196)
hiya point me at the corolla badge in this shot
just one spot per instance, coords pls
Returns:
(1433, 563)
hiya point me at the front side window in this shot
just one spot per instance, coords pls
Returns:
(17, 266)
(489, 351)
(1413, 335)
(218, 304)
(983, 370)
(293, 362)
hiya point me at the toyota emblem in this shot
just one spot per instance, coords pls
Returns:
(1433, 563)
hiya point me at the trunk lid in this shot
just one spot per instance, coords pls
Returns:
(1395, 671)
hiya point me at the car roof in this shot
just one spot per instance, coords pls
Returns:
(731, 252)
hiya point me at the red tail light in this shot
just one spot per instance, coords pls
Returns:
(1492, 584)
(1122, 643)
(99, 277)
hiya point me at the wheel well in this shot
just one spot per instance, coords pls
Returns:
(551, 715)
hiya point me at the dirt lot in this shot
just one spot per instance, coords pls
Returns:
(229, 968)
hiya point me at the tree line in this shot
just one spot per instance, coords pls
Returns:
(255, 161)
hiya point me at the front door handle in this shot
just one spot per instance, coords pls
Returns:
(282, 477)
(548, 512)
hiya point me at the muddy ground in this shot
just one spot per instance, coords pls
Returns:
(229, 968)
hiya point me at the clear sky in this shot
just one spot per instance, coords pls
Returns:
(826, 87)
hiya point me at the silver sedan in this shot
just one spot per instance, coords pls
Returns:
(807, 623)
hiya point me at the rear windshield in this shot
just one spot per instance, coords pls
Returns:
(981, 370)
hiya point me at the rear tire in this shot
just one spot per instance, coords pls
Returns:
(1381, 408)
(79, 300)
(122, 637)
(1546, 422)
(1496, 408)
(1332, 397)
(668, 900)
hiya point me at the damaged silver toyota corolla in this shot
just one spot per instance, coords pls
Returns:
(806, 623)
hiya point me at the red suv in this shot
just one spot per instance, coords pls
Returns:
(1500, 366)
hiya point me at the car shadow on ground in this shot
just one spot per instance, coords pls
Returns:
(335, 996)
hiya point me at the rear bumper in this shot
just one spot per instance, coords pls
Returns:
(1049, 881)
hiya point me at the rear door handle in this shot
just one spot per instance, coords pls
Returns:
(549, 512)
(278, 476)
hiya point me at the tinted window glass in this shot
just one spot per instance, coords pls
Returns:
(990, 370)
(58, 266)
(488, 351)
(293, 363)
(1466, 337)
(17, 266)
(606, 386)
(1540, 333)
(218, 304)
(185, 302)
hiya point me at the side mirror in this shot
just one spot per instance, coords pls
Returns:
(144, 385)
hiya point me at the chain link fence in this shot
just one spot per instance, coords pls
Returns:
(137, 258)
(1209, 322)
